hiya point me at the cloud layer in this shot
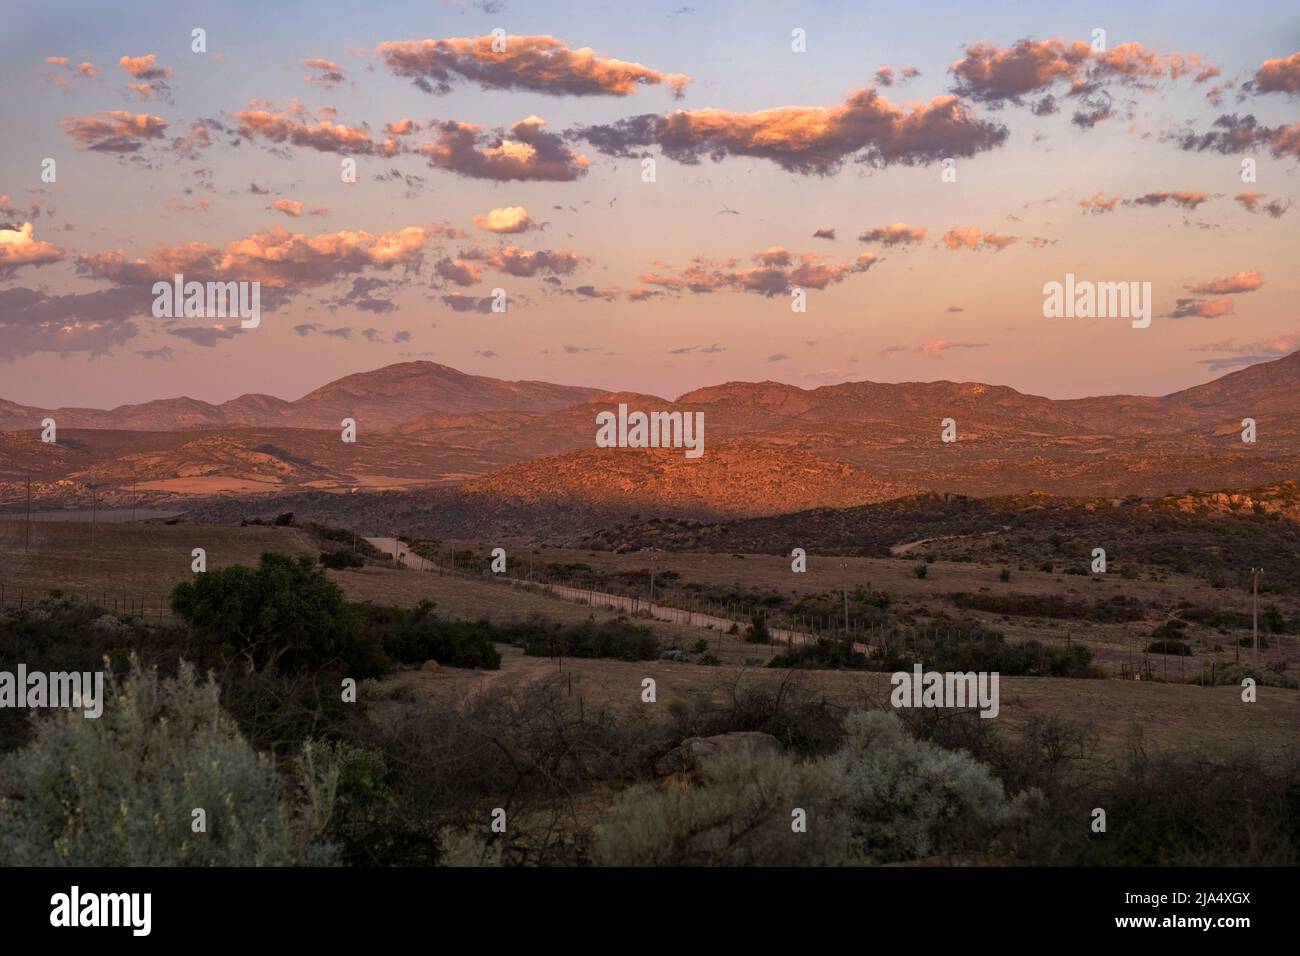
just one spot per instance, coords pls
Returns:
(539, 64)
(809, 139)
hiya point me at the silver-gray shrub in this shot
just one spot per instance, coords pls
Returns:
(906, 798)
(120, 790)
(738, 815)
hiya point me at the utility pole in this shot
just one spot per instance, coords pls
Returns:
(844, 566)
(94, 511)
(27, 542)
(1254, 609)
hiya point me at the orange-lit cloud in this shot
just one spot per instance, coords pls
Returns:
(526, 152)
(971, 237)
(152, 78)
(20, 247)
(295, 208)
(66, 72)
(936, 347)
(1229, 285)
(1254, 202)
(893, 235)
(114, 131)
(1201, 308)
(776, 272)
(144, 67)
(1278, 76)
(997, 75)
(541, 64)
(275, 257)
(325, 73)
(509, 219)
(296, 127)
(458, 271)
(809, 139)
(515, 261)
(1099, 204)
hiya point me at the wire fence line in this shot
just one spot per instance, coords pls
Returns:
(730, 618)
(147, 607)
(862, 635)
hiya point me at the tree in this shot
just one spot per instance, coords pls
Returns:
(283, 614)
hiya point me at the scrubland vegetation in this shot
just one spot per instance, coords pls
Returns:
(238, 711)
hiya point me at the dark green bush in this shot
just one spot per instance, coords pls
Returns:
(1116, 609)
(341, 559)
(618, 639)
(283, 614)
(757, 632)
(822, 654)
(986, 651)
(415, 636)
(1169, 646)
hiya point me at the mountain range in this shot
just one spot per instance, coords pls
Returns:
(770, 447)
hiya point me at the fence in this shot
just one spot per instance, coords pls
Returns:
(148, 608)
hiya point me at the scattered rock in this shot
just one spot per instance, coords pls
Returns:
(687, 757)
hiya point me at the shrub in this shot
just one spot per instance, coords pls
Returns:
(1005, 575)
(907, 799)
(337, 560)
(771, 703)
(1169, 646)
(1115, 609)
(617, 639)
(920, 570)
(449, 766)
(413, 636)
(708, 659)
(757, 633)
(1186, 810)
(129, 781)
(987, 651)
(283, 614)
(822, 654)
(1172, 629)
(739, 816)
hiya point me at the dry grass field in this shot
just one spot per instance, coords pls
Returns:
(132, 562)
(149, 559)
(1173, 717)
(1115, 644)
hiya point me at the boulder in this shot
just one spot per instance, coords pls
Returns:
(687, 757)
(430, 666)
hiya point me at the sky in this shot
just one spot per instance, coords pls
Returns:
(913, 174)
